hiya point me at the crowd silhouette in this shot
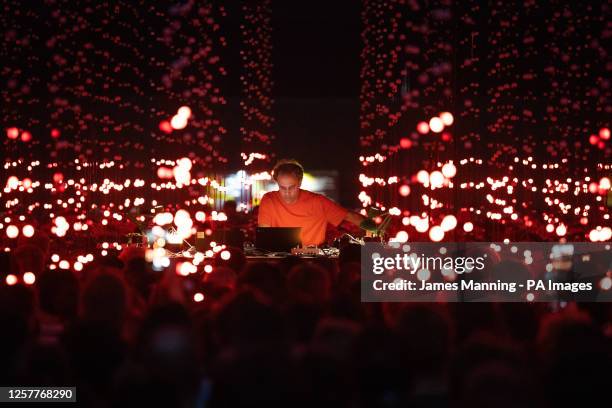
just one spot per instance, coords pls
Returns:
(290, 333)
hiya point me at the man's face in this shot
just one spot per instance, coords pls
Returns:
(288, 187)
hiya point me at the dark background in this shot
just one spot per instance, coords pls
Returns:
(316, 69)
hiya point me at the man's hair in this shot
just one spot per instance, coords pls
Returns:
(288, 166)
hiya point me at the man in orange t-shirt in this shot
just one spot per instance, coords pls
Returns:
(291, 206)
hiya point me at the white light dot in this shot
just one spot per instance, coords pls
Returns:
(436, 179)
(400, 237)
(184, 111)
(449, 170)
(436, 233)
(423, 177)
(12, 231)
(29, 278)
(28, 231)
(449, 222)
(436, 125)
(561, 230)
(447, 118)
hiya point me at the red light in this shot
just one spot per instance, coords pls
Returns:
(423, 128)
(12, 133)
(26, 136)
(405, 143)
(593, 139)
(55, 133)
(604, 133)
(165, 126)
(165, 173)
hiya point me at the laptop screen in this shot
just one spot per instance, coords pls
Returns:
(277, 239)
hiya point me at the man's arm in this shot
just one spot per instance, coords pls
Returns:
(357, 219)
(337, 214)
(354, 218)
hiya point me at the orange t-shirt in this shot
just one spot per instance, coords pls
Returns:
(311, 211)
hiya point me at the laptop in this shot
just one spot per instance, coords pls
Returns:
(277, 239)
